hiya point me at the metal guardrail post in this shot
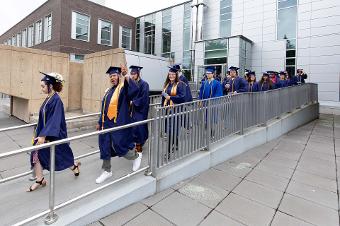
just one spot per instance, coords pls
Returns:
(148, 172)
(209, 131)
(155, 134)
(242, 115)
(52, 217)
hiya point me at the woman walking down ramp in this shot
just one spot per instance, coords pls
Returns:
(51, 127)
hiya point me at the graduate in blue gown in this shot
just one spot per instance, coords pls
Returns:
(226, 81)
(292, 80)
(301, 76)
(265, 83)
(51, 127)
(274, 78)
(282, 82)
(236, 84)
(115, 111)
(139, 111)
(182, 78)
(174, 92)
(252, 85)
(210, 88)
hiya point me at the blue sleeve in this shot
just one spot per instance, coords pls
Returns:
(131, 88)
(180, 96)
(217, 89)
(184, 79)
(243, 87)
(55, 119)
(144, 98)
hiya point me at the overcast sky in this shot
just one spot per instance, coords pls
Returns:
(12, 11)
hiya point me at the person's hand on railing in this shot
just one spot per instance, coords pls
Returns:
(165, 95)
(227, 86)
(97, 127)
(40, 140)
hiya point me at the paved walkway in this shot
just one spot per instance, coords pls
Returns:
(290, 181)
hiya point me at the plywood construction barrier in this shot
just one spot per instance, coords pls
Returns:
(95, 80)
(20, 77)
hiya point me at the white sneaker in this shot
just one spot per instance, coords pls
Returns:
(137, 162)
(105, 175)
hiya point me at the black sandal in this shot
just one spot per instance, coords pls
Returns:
(41, 183)
(76, 167)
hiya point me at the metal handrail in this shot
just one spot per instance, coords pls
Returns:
(34, 124)
(52, 217)
(213, 102)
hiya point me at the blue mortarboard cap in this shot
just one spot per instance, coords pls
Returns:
(177, 66)
(252, 73)
(114, 70)
(232, 68)
(265, 74)
(135, 69)
(48, 78)
(173, 69)
(210, 69)
(282, 73)
(247, 71)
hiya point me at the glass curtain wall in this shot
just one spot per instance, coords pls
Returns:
(286, 29)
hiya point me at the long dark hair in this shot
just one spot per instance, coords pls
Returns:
(270, 83)
(167, 81)
(249, 79)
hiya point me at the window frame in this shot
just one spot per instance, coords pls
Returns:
(74, 26)
(46, 36)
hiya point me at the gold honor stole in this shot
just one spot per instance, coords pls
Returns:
(112, 111)
(173, 93)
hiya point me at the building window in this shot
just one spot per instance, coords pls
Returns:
(19, 40)
(48, 28)
(166, 33)
(187, 41)
(24, 38)
(30, 36)
(216, 51)
(149, 34)
(286, 29)
(77, 57)
(14, 41)
(9, 41)
(38, 32)
(5, 42)
(225, 17)
(138, 35)
(104, 33)
(80, 27)
(125, 37)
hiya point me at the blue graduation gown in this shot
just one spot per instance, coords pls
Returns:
(210, 90)
(282, 84)
(264, 86)
(251, 88)
(188, 96)
(238, 84)
(140, 110)
(293, 81)
(52, 125)
(119, 142)
(179, 98)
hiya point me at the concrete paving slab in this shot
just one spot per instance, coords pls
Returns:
(149, 218)
(282, 219)
(281, 160)
(309, 211)
(125, 215)
(219, 179)
(267, 179)
(217, 219)
(275, 169)
(317, 155)
(239, 170)
(246, 211)
(157, 197)
(315, 180)
(314, 194)
(321, 170)
(186, 211)
(206, 194)
(259, 193)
